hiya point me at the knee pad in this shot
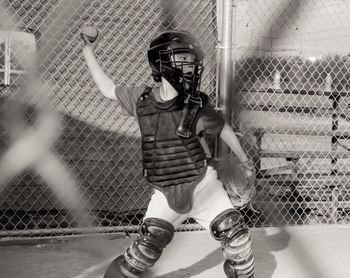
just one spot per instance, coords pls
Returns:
(155, 234)
(229, 228)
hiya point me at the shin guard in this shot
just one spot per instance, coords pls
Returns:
(229, 228)
(155, 234)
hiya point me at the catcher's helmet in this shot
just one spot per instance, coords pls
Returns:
(161, 59)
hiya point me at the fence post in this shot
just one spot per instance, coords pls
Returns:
(226, 70)
(334, 97)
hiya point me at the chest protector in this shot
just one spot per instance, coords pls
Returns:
(172, 164)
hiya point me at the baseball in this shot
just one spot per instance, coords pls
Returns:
(90, 32)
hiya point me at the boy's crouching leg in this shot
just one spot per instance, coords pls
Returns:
(155, 234)
(229, 228)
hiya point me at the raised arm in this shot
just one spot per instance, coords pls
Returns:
(103, 82)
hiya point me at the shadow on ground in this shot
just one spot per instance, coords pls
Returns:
(263, 247)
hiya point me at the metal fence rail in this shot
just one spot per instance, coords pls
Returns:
(291, 100)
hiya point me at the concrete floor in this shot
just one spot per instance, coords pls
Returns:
(289, 252)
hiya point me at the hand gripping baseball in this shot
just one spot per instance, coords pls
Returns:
(90, 36)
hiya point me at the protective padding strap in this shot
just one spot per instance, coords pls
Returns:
(238, 254)
(239, 249)
(235, 271)
(120, 268)
(143, 253)
(226, 223)
(229, 228)
(159, 229)
(155, 234)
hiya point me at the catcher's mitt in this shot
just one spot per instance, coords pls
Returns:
(238, 179)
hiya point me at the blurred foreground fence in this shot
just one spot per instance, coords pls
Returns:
(291, 104)
(98, 146)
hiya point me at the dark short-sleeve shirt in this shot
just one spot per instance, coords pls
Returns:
(209, 121)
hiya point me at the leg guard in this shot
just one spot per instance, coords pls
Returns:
(229, 228)
(155, 234)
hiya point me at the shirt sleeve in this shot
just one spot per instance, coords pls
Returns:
(209, 121)
(127, 97)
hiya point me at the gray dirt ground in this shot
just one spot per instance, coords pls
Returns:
(289, 252)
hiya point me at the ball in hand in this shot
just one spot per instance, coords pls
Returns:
(90, 32)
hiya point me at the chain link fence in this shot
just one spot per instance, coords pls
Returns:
(292, 82)
(97, 151)
(291, 105)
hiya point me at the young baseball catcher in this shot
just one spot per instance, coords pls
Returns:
(172, 117)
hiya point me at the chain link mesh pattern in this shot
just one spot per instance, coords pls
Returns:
(98, 147)
(291, 86)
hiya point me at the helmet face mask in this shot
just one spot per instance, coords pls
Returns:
(177, 57)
